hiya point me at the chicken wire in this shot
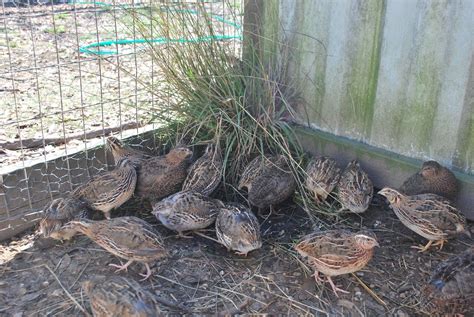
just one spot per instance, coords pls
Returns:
(59, 102)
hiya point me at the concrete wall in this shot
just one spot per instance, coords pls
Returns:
(395, 74)
(390, 83)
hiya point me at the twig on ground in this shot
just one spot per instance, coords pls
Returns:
(168, 303)
(67, 292)
(80, 273)
(370, 291)
(236, 310)
(206, 236)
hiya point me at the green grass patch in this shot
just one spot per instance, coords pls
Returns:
(60, 29)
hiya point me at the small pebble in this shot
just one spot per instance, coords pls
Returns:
(358, 294)
(360, 273)
(401, 313)
(21, 291)
(56, 292)
(45, 284)
(221, 273)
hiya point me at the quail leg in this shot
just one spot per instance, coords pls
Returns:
(107, 214)
(336, 289)
(121, 267)
(266, 216)
(317, 278)
(423, 248)
(277, 214)
(317, 198)
(439, 243)
(182, 235)
(148, 272)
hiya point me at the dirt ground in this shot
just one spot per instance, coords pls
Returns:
(201, 277)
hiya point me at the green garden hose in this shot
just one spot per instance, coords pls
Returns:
(94, 48)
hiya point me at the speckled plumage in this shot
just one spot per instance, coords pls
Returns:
(336, 252)
(109, 190)
(117, 296)
(58, 213)
(130, 238)
(431, 216)
(451, 286)
(187, 210)
(268, 180)
(322, 177)
(355, 189)
(432, 178)
(120, 151)
(205, 174)
(164, 175)
(238, 229)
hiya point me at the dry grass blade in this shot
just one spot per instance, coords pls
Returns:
(213, 94)
(67, 292)
(205, 236)
(370, 291)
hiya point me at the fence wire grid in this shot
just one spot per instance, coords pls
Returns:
(60, 99)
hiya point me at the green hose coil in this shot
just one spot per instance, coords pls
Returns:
(94, 48)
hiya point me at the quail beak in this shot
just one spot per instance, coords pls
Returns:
(461, 229)
(468, 233)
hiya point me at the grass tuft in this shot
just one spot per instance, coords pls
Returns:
(211, 93)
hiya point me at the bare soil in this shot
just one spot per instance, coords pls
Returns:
(49, 89)
(201, 277)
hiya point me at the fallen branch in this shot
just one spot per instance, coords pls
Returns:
(36, 143)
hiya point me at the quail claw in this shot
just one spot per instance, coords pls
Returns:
(121, 267)
(148, 273)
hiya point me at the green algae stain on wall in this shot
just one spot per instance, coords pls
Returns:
(270, 29)
(467, 149)
(464, 156)
(310, 54)
(364, 46)
(420, 110)
(424, 83)
(390, 73)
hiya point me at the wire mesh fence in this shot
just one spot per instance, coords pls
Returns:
(72, 74)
